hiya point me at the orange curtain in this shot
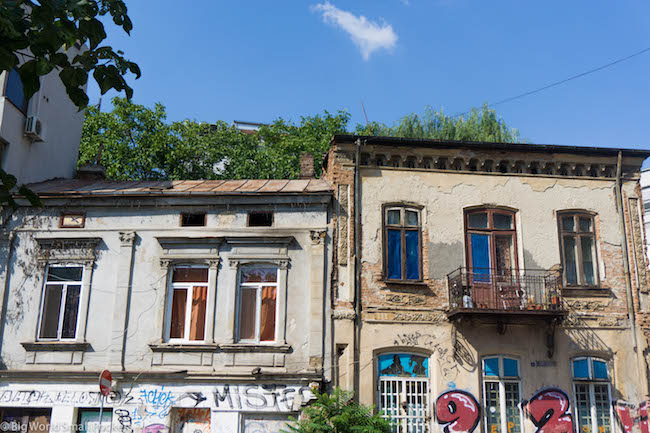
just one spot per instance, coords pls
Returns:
(267, 319)
(197, 321)
(178, 313)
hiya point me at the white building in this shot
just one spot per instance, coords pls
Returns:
(207, 300)
(39, 137)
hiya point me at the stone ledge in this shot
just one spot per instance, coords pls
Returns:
(586, 292)
(166, 347)
(255, 348)
(56, 346)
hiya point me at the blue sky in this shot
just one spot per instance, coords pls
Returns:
(260, 60)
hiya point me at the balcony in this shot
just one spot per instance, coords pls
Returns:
(505, 295)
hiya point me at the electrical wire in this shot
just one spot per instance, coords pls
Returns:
(557, 83)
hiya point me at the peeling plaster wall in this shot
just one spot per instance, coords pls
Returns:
(145, 317)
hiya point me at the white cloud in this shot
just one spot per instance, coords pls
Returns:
(369, 36)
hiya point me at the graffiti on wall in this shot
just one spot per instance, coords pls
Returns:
(260, 397)
(629, 415)
(457, 411)
(550, 411)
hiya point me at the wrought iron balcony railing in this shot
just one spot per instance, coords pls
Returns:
(521, 290)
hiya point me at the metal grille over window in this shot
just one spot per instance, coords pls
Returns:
(60, 305)
(189, 293)
(258, 290)
(592, 394)
(502, 394)
(403, 391)
(402, 244)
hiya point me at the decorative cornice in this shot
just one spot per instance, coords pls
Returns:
(127, 238)
(165, 263)
(317, 237)
(343, 314)
(61, 250)
(255, 348)
(167, 347)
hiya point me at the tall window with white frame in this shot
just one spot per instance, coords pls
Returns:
(187, 304)
(402, 243)
(592, 394)
(60, 303)
(501, 394)
(257, 294)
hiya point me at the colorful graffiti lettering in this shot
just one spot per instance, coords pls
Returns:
(458, 411)
(627, 415)
(549, 410)
(156, 428)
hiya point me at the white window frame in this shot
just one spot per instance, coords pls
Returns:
(590, 382)
(402, 421)
(258, 303)
(501, 380)
(188, 305)
(64, 293)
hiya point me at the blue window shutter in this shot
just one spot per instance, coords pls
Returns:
(491, 367)
(510, 367)
(599, 369)
(412, 255)
(394, 254)
(581, 369)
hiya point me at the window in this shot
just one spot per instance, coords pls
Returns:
(187, 305)
(258, 288)
(72, 221)
(260, 219)
(491, 241)
(402, 243)
(89, 420)
(592, 395)
(14, 91)
(578, 245)
(404, 378)
(501, 395)
(60, 303)
(192, 219)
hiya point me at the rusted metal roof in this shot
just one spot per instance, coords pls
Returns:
(76, 187)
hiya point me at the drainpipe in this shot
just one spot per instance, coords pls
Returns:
(357, 270)
(626, 269)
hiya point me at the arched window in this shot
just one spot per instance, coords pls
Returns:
(578, 243)
(491, 241)
(402, 243)
(403, 390)
(501, 394)
(592, 394)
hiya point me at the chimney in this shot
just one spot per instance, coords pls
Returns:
(91, 172)
(306, 165)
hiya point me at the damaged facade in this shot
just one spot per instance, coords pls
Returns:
(207, 300)
(500, 288)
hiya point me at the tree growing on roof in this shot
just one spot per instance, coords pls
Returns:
(477, 125)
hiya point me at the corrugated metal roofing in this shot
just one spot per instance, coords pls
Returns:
(76, 187)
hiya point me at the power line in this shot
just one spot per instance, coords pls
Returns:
(557, 83)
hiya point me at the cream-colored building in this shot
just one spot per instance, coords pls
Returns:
(490, 287)
(206, 300)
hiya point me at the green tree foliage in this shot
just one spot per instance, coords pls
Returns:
(139, 144)
(44, 30)
(337, 413)
(478, 125)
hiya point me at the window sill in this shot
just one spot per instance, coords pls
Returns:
(56, 346)
(255, 347)
(405, 283)
(183, 347)
(586, 292)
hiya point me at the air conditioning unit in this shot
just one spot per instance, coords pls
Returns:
(34, 128)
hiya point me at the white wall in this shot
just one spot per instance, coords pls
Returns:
(55, 156)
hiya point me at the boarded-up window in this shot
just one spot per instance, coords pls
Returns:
(265, 423)
(258, 290)
(188, 301)
(190, 420)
